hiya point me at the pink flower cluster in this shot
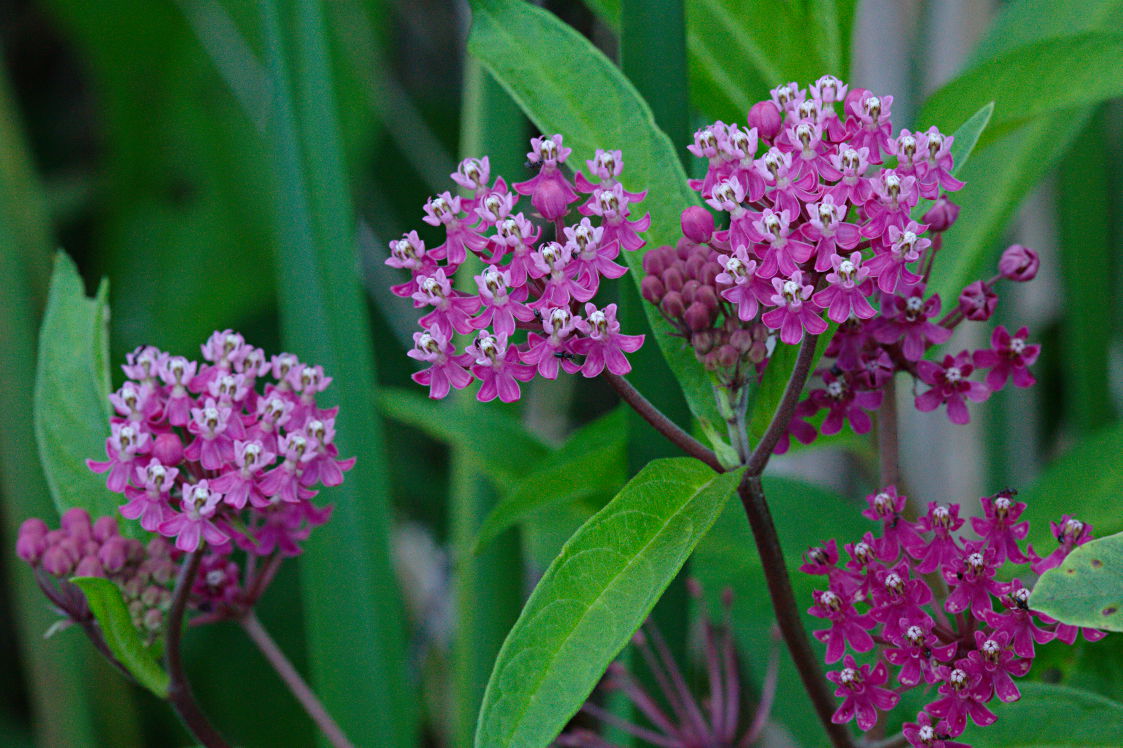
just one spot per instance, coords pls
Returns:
(818, 197)
(945, 636)
(526, 281)
(203, 457)
(84, 548)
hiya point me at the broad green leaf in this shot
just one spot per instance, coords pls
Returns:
(490, 432)
(805, 515)
(1032, 81)
(594, 596)
(550, 70)
(591, 461)
(72, 391)
(1085, 482)
(1051, 716)
(1087, 588)
(116, 624)
(1026, 21)
(358, 659)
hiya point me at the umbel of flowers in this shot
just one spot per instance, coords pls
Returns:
(924, 597)
(215, 457)
(539, 266)
(818, 198)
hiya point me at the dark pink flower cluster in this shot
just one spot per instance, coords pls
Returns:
(943, 633)
(205, 458)
(818, 197)
(84, 548)
(526, 281)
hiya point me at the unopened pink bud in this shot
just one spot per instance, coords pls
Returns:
(76, 523)
(168, 449)
(855, 96)
(549, 200)
(941, 216)
(672, 279)
(30, 546)
(34, 526)
(114, 554)
(697, 224)
(105, 528)
(672, 305)
(658, 260)
(153, 619)
(727, 355)
(57, 561)
(1019, 263)
(765, 117)
(977, 301)
(89, 567)
(697, 316)
(652, 289)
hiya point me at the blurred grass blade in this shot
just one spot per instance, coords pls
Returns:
(591, 461)
(594, 596)
(550, 70)
(1024, 90)
(72, 392)
(116, 624)
(1086, 277)
(352, 608)
(56, 675)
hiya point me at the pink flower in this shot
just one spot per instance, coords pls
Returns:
(742, 286)
(959, 698)
(898, 601)
(1008, 357)
(605, 345)
(500, 308)
(498, 367)
(949, 384)
(611, 205)
(942, 549)
(891, 267)
(1017, 621)
(917, 654)
(906, 319)
(215, 427)
(193, 525)
(547, 352)
(782, 253)
(937, 164)
(862, 692)
(993, 664)
(849, 288)
(829, 231)
(239, 482)
(452, 310)
(447, 370)
(971, 581)
(847, 625)
(924, 734)
(150, 505)
(977, 301)
(796, 311)
(1019, 263)
(125, 447)
(844, 402)
(999, 527)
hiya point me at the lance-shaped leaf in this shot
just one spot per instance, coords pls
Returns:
(594, 596)
(116, 624)
(552, 72)
(1087, 588)
(1051, 716)
(72, 391)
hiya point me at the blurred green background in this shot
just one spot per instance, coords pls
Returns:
(147, 139)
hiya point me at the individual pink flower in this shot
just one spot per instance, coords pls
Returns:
(844, 402)
(789, 188)
(795, 311)
(473, 174)
(849, 288)
(870, 123)
(126, 446)
(447, 370)
(854, 187)
(949, 385)
(452, 310)
(215, 426)
(862, 692)
(740, 284)
(917, 654)
(549, 352)
(906, 319)
(897, 601)
(890, 265)
(938, 164)
(942, 549)
(553, 263)
(149, 503)
(605, 346)
(1070, 533)
(995, 667)
(592, 256)
(283, 481)
(897, 533)
(177, 373)
(501, 308)
(971, 581)
(498, 367)
(999, 527)
(894, 197)
(848, 627)
(239, 482)
(409, 253)
(611, 205)
(958, 700)
(779, 251)
(1017, 620)
(924, 734)
(1009, 357)
(193, 525)
(830, 232)
(977, 301)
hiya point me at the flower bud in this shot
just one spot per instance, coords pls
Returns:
(977, 301)
(34, 526)
(658, 260)
(742, 340)
(689, 290)
(672, 278)
(168, 449)
(854, 96)
(694, 267)
(697, 316)
(31, 545)
(153, 619)
(727, 355)
(672, 305)
(703, 342)
(151, 595)
(114, 554)
(941, 216)
(707, 296)
(697, 224)
(105, 528)
(1019, 263)
(709, 272)
(765, 117)
(57, 562)
(652, 289)
(89, 567)
(76, 523)
(549, 200)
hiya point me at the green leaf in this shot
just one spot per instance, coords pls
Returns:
(550, 69)
(72, 391)
(1051, 716)
(591, 461)
(122, 638)
(490, 432)
(352, 607)
(1085, 482)
(1031, 81)
(1087, 588)
(594, 596)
